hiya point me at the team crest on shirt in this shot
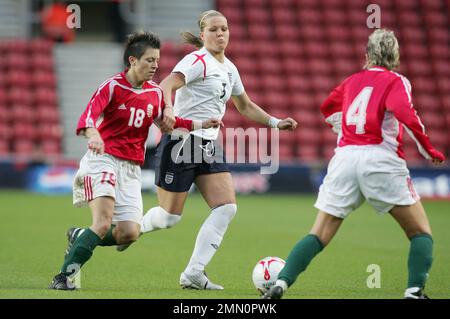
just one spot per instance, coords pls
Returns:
(169, 178)
(149, 110)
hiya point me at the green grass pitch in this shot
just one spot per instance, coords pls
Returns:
(32, 244)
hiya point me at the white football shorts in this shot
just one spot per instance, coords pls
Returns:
(107, 175)
(366, 172)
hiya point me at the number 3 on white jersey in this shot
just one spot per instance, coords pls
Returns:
(356, 113)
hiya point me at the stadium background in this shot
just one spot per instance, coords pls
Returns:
(290, 54)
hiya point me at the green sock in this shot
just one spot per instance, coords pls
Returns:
(109, 239)
(81, 251)
(419, 260)
(300, 257)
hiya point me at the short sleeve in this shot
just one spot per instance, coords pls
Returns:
(238, 87)
(192, 66)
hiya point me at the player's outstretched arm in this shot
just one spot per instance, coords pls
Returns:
(255, 113)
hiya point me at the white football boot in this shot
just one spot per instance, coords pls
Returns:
(197, 280)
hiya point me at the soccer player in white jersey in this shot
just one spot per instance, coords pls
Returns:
(116, 122)
(369, 112)
(204, 81)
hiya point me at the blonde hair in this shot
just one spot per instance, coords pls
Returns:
(382, 50)
(189, 38)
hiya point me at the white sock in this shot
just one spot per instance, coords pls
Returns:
(210, 236)
(158, 218)
(282, 284)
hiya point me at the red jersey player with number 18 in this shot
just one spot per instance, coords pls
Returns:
(369, 111)
(116, 122)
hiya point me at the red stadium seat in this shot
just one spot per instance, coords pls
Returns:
(316, 49)
(308, 16)
(234, 16)
(246, 65)
(333, 17)
(319, 66)
(256, 15)
(260, 31)
(43, 79)
(45, 96)
(19, 96)
(22, 113)
(251, 82)
(50, 147)
(266, 49)
(291, 49)
(308, 153)
(41, 46)
(283, 15)
(4, 147)
(291, 32)
(23, 147)
(5, 131)
(18, 78)
(275, 100)
(302, 101)
(22, 130)
(17, 61)
(270, 65)
(312, 32)
(271, 83)
(297, 83)
(42, 62)
(424, 85)
(49, 132)
(47, 115)
(307, 135)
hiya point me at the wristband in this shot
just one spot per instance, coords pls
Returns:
(273, 122)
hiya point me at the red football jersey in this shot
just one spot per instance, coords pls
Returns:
(123, 116)
(372, 107)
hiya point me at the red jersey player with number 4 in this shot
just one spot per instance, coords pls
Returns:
(116, 122)
(369, 111)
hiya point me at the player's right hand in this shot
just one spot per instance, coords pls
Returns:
(96, 144)
(437, 157)
(168, 121)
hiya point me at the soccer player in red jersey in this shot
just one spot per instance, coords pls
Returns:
(369, 112)
(116, 122)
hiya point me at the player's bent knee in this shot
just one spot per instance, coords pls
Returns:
(227, 211)
(128, 237)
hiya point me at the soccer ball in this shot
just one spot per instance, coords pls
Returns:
(265, 273)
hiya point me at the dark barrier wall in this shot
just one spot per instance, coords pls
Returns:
(429, 182)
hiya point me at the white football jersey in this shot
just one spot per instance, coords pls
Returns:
(209, 85)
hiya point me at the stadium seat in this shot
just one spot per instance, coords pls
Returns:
(50, 147)
(42, 62)
(25, 131)
(290, 49)
(47, 114)
(22, 113)
(308, 153)
(22, 147)
(18, 96)
(17, 78)
(43, 79)
(4, 147)
(271, 66)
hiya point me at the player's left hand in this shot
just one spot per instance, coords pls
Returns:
(212, 123)
(168, 121)
(288, 124)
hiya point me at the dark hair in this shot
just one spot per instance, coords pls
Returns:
(137, 43)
